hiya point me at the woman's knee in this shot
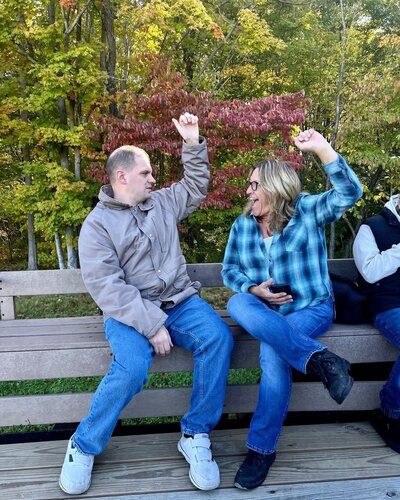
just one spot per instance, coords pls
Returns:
(237, 303)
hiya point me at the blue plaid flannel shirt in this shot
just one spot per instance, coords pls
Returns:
(298, 255)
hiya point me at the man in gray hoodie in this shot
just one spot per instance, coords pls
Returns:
(376, 252)
(133, 267)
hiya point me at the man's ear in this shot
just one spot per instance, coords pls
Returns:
(120, 176)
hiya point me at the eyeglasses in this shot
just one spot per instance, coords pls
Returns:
(253, 185)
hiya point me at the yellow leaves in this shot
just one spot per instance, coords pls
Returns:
(256, 35)
(379, 196)
(295, 131)
(148, 39)
(391, 41)
(55, 197)
(251, 80)
(149, 25)
(47, 135)
(195, 15)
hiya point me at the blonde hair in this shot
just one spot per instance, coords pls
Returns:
(123, 157)
(281, 184)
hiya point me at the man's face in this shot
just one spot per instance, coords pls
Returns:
(139, 180)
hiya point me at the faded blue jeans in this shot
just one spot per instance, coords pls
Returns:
(286, 342)
(193, 325)
(388, 323)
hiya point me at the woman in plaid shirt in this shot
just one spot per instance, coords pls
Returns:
(280, 240)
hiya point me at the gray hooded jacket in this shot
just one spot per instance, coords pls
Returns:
(131, 260)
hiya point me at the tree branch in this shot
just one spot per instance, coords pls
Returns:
(352, 230)
(216, 49)
(24, 54)
(68, 30)
(289, 2)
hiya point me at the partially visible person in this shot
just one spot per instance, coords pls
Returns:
(280, 240)
(133, 267)
(376, 251)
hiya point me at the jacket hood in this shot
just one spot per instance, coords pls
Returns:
(106, 198)
(392, 204)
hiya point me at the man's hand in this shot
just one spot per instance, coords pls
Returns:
(264, 293)
(161, 342)
(313, 142)
(188, 127)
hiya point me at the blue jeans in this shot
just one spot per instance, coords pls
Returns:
(286, 342)
(388, 323)
(193, 325)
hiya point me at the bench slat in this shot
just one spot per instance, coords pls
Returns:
(60, 408)
(80, 359)
(43, 282)
(56, 281)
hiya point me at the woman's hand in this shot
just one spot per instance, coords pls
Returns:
(265, 293)
(313, 142)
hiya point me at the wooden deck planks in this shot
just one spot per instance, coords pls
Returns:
(325, 461)
(225, 442)
(364, 489)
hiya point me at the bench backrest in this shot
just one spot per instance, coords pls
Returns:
(69, 281)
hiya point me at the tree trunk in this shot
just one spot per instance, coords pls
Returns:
(77, 163)
(51, 10)
(331, 250)
(72, 262)
(64, 161)
(59, 250)
(32, 253)
(109, 58)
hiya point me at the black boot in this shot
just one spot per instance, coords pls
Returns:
(253, 470)
(334, 373)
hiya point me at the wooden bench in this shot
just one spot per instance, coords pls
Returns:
(75, 347)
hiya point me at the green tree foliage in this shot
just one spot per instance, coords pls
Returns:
(65, 63)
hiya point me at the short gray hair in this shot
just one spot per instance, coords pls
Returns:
(123, 157)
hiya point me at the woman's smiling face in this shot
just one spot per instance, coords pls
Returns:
(259, 199)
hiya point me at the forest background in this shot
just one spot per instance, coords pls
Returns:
(80, 78)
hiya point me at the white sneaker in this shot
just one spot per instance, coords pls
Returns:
(203, 472)
(76, 472)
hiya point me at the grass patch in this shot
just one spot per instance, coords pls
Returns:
(89, 384)
(81, 304)
(218, 297)
(56, 306)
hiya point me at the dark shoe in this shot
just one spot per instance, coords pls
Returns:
(253, 470)
(387, 428)
(334, 373)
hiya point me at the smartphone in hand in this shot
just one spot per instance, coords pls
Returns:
(276, 288)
